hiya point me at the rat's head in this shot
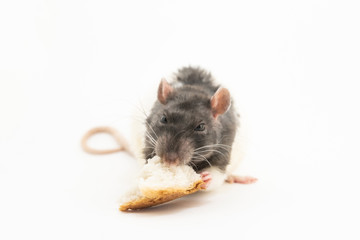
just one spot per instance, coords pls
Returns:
(184, 123)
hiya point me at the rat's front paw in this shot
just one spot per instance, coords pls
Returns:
(206, 177)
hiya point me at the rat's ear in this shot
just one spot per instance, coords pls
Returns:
(164, 91)
(220, 102)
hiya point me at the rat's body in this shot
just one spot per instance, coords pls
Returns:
(193, 122)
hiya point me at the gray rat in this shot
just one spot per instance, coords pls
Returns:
(193, 122)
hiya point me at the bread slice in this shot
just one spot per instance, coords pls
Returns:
(159, 184)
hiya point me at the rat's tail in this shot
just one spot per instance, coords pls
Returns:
(123, 145)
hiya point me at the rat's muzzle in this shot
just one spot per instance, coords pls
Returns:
(171, 158)
(174, 150)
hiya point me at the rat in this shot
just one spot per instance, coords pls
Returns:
(194, 122)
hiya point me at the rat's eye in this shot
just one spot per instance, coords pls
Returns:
(163, 119)
(200, 127)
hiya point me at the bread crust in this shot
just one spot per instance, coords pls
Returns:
(153, 197)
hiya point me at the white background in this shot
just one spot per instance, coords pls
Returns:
(67, 66)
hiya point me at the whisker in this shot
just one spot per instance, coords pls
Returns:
(151, 141)
(151, 144)
(148, 147)
(197, 158)
(194, 165)
(211, 150)
(148, 124)
(204, 158)
(150, 137)
(214, 150)
(214, 145)
(141, 109)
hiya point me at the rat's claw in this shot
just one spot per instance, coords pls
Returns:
(206, 177)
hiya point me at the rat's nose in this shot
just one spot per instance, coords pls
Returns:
(171, 158)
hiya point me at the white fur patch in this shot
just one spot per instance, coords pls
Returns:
(218, 178)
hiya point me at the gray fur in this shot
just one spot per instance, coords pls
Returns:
(186, 107)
